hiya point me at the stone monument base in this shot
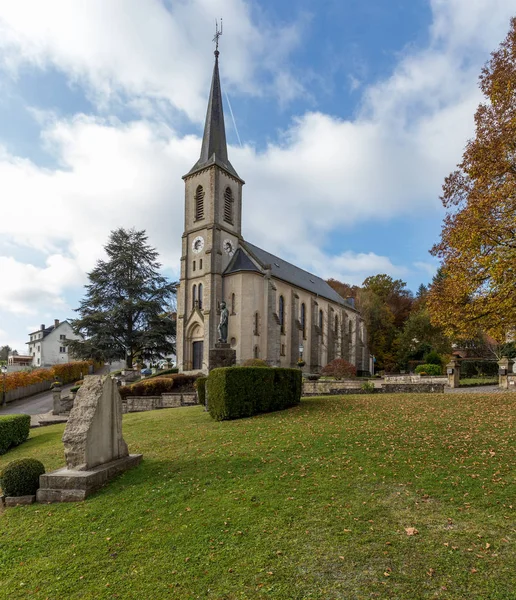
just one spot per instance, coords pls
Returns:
(67, 485)
(222, 356)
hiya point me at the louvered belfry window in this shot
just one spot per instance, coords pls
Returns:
(228, 206)
(199, 203)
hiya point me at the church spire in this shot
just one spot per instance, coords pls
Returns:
(214, 150)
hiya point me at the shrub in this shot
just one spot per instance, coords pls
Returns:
(340, 369)
(478, 368)
(413, 364)
(313, 376)
(166, 372)
(236, 392)
(155, 386)
(75, 388)
(21, 477)
(429, 369)
(14, 430)
(200, 386)
(367, 386)
(433, 358)
(254, 362)
(65, 373)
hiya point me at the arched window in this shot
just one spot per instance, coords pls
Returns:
(233, 304)
(303, 319)
(350, 329)
(256, 352)
(200, 295)
(199, 203)
(282, 314)
(321, 320)
(256, 323)
(194, 295)
(228, 206)
(336, 325)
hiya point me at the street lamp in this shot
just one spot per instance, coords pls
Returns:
(4, 372)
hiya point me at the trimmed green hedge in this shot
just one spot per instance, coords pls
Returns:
(21, 477)
(429, 369)
(200, 386)
(14, 430)
(237, 392)
(155, 386)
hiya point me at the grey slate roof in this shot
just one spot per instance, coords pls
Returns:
(214, 149)
(240, 262)
(281, 269)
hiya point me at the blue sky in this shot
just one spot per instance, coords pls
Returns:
(350, 115)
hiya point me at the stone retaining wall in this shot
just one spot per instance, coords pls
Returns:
(413, 388)
(415, 379)
(322, 388)
(430, 385)
(143, 403)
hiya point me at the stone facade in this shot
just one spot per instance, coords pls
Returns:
(277, 312)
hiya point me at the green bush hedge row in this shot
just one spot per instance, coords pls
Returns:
(200, 386)
(237, 392)
(14, 430)
(158, 385)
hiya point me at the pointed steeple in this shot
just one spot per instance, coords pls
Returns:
(214, 150)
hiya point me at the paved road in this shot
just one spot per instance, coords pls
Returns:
(39, 403)
(34, 405)
(479, 389)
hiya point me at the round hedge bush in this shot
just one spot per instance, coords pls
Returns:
(21, 477)
(429, 370)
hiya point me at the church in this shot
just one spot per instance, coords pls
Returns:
(273, 310)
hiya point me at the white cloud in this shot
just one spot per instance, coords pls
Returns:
(27, 289)
(142, 50)
(429, 268)
(324, 174)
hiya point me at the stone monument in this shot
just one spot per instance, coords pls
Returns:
(222, 355)
(95, 450)
(223, 323)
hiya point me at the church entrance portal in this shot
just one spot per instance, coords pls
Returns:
(197, 351)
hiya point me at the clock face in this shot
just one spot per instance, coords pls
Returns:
(198, 244)
(228, 247)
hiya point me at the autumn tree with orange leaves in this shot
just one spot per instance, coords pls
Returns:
(476, 289)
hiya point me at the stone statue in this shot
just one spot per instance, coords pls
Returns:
(223, 324)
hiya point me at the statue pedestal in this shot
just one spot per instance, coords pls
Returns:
(221, 356)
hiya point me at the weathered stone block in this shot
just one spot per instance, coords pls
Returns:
(67, 485)
(222, 356)
(19, 500)
(93, 434)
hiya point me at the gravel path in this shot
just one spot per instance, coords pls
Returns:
(479, 389)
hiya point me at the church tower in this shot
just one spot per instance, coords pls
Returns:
(212, 233)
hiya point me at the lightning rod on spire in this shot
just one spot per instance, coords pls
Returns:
(218, 33)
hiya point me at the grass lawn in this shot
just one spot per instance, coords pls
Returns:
(354, 497)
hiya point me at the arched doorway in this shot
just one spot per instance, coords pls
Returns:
(195, 345)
